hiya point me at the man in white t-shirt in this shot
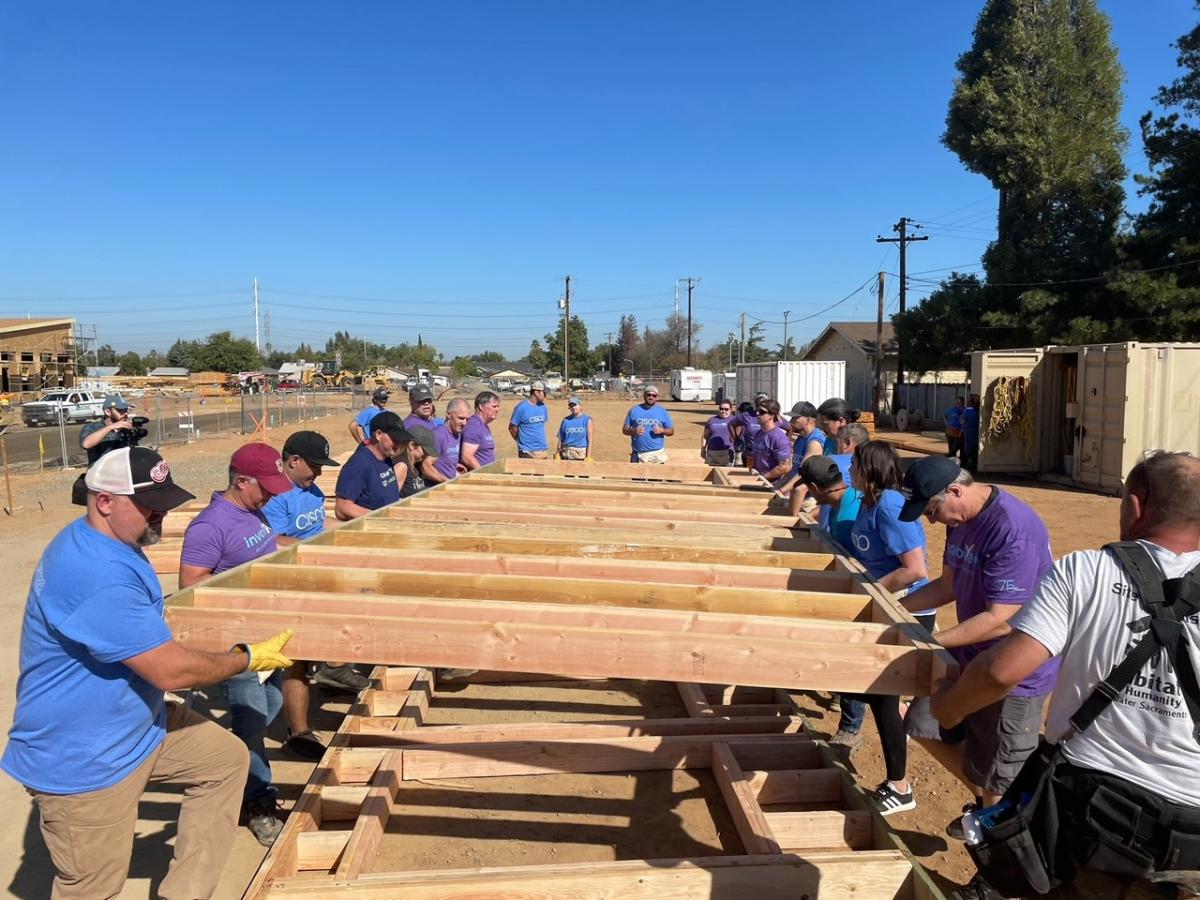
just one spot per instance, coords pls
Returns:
(1087, 611)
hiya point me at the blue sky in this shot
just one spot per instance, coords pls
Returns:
(394, 168)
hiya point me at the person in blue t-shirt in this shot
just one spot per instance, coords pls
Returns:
(970, 434)
(294, 516)
(954, 430)
(893, 553)
(832, 490)
(647, 425)
(528, 424)
(575, 432)
(368, 480)
(92, 726)
(358, 426)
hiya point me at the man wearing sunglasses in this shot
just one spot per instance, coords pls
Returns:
(424, 415)
(647, 425)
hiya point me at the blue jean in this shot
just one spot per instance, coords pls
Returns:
(853, 713)
(253, 705)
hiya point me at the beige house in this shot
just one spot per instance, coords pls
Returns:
(854, 344)
(36, 354)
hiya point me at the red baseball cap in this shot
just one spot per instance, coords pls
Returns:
(261, 462)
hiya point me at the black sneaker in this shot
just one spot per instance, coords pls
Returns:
(456, 673)
(259, 816)
(341, 678)
(955, 828)
(976, 889)
(889, 800)
(305, 745)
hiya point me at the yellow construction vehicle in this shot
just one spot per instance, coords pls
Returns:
(327, 375)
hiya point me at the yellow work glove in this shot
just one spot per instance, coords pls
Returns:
(265, 656)
(588, 459)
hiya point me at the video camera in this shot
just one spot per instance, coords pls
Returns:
(129, 437)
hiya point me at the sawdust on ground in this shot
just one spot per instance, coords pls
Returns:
(567, 805)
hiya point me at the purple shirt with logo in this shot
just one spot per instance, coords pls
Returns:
(415, 419)
(448, 445)
(718, 433)
(771, 448)
(477, 432)
(224, 535)
(748, 423)
(999, 557)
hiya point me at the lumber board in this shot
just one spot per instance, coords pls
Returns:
(693, 699)
(342, 802)
(821, 830)
(785, 786)
(748, 818)
(586, 495)
(557, 649)
(495, 540)
(486, 479)
(368, 828)
(318, 851)
(601, 616)
(636, 754)
(832, 876)
(669, 471)
(832, 612)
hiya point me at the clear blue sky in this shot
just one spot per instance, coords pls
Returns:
(395, 168)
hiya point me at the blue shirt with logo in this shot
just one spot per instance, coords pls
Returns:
(647, 417)
(879, 537)
(367, 481)
(530, 419)
(364, 418)
(84, 720)
(300, 513)
(572, 431)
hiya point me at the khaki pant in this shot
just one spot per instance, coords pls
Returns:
(653, 456)
(90, 835)
(533, 454)
(574, 453)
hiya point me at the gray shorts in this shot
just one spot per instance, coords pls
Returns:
(996, 739)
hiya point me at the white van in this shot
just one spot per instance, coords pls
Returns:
(692, 384)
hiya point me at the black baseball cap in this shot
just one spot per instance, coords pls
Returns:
(380, 394)
(384, 421)
(924, 480)
(821, 472)
(310, 447)
(803, 408)
(137, 472)
(419, 392)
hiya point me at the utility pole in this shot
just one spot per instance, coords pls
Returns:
(730, 342)
(879, 347)
(742, 346)
(786, 313)
(267, 330)
(903, 240)
(692, 282)
(567, 335)
(257, 343)
(610, 371)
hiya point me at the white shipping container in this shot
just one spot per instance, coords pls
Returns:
(1096, 408)
(692, 384)
(790, 382)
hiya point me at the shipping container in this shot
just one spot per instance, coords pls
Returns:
(791, 382)
(1085, 415)
(692, 384)
(725, 387)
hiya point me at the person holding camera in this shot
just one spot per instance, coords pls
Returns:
(116, 429)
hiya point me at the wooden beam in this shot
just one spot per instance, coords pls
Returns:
(693, 699)
(319, 851)
(495, 643)
(585, 495)
(630, 471)
(823, 830)
(834, 876)
(557, 482)
(294, 598)
(837, 611)
(495, 539)
(748, 817)
(713, 574)
(342, 802)
(634, 754)
(823, 786)
(368, 829)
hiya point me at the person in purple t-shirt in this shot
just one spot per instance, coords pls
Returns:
(744, 426)
(716, 444)
(423, 415)
(997, 550)
(771, 454)
(230, 531)
(478, 445)
(448, 439)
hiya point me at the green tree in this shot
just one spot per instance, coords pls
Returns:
(945, 327)
(131, 364)
(187, 354)
(106, 355)
(1036, 111)
(1165, 304)
(755, 349)
(222, 352)
(626, 343)
(489, 356)
(583, 358)
(464, 367)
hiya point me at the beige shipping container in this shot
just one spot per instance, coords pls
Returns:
(1085, 415)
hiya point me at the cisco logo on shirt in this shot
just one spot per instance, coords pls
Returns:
(862, 543)
(310, 519)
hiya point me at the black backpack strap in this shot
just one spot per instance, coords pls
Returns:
(1167, 602)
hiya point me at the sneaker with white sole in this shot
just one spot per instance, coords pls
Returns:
(955, 828)
(849, 740)
(889, 800)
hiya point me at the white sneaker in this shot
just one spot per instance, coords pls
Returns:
(889, 800)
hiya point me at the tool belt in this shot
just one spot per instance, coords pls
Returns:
(1056, 816)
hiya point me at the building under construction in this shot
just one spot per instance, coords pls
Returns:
(36, 354)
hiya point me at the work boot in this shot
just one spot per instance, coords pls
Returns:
(258, 815)
(341, 678)
(976, 889)
(847, 740)
(304, 745)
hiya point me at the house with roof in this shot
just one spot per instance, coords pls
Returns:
(854, 343)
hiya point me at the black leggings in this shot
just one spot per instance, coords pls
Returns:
(890, 724)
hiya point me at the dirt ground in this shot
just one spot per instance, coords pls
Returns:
(1075, 519)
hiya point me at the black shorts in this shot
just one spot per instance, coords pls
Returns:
(996, 739)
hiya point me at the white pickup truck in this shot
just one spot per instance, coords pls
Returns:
(77, 406)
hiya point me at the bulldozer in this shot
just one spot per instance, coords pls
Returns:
(328, 375)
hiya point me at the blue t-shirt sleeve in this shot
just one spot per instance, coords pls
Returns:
(111, 632)
(350, 481)
(898, 537)
(666, 419)
(629, 423)
(518, 415)
(279, 513)
(364, 418)
(201, 546)
(562, 430)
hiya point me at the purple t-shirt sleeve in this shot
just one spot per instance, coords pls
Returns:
(473, 433)
(201, 546)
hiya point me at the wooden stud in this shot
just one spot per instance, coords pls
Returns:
(748, 817)
(376, 809)
(693, 699)
(823, 786)
(824, 830)
(320, 850)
